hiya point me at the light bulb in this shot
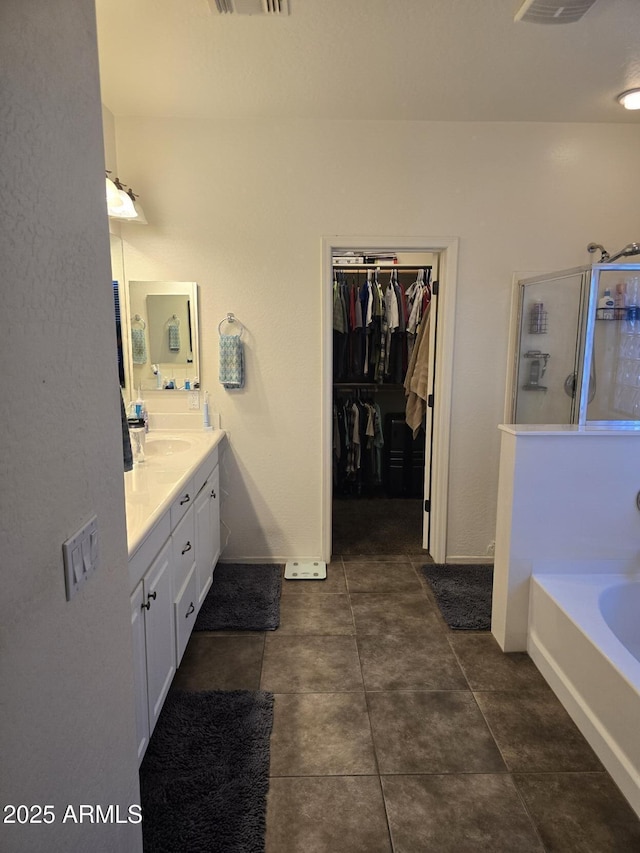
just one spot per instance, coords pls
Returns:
(630, 99)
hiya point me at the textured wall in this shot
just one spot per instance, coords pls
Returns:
(67, 712)
(241, 207)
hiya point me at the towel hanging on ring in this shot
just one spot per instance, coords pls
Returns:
(231, 361)
(138, 346)
(173, 327)
(231, 372)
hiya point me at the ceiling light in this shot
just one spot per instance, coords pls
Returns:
(630, 99)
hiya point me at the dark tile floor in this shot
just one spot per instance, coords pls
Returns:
(394, 733)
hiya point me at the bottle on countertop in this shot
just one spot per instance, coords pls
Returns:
(141, 410)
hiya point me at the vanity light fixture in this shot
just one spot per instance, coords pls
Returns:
(630, 99)
(122, 203)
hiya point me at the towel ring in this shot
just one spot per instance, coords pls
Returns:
(174, 320)
(230, 318)
(138, 319)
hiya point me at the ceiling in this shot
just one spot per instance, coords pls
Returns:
(445, 60)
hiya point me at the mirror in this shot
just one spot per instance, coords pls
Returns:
(163, 332)
(117, 281)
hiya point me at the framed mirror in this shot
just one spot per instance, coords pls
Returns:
(163, 350)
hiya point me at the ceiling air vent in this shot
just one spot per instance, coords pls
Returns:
(250, 7)
(553, 11)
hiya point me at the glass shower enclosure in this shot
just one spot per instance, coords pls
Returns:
(577, 350)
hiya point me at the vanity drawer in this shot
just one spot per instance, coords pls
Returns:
(182, 503)
(185, 613)
(183, 540)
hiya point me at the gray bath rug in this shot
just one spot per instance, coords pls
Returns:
(242, 598)
(463, 594)
(205, 776)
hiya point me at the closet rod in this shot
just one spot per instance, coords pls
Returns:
(383, 267)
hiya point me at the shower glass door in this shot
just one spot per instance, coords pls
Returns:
(549, 353)
(613, 342)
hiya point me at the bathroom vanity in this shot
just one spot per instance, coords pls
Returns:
(173, 537)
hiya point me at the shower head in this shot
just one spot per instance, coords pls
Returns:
(594, 247)
(629, 250)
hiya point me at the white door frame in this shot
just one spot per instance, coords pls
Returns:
(447, 248)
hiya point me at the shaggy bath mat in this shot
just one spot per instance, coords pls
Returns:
(463, 594)
(205, 776)
(242, 598)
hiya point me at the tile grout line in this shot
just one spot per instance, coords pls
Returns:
(368, 709)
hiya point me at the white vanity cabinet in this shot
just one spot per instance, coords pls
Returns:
(152, 617)
(170, 572)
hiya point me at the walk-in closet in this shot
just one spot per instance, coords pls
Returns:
(381, 314)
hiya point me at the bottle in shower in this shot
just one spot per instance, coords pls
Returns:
(606, 305)
(534, 372)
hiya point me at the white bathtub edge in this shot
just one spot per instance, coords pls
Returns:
(606, 748)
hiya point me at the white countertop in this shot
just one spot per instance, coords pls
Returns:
(153, 484)
(566, 429)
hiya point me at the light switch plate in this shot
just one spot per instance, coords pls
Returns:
(81, 556)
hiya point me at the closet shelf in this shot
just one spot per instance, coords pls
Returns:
(382, 386)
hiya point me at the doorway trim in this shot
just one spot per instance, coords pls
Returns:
(447, 249)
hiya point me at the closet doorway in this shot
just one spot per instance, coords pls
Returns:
(388, 495)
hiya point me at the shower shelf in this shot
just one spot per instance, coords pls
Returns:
(535, 388)
(617, 313)
(538, 323)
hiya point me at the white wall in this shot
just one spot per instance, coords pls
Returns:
(67, 727)
(241, 207)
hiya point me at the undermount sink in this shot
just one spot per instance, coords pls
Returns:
(166, 446)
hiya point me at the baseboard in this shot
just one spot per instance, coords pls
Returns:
(484, 560)
(270, 560)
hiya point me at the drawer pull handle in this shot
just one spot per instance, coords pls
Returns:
(190, 610)
(185, 499)
(213, 494)
(150, 596)
(187, 547)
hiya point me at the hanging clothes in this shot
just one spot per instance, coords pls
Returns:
(357, 446)
(416, 381)
(374, 328)
(374, 325)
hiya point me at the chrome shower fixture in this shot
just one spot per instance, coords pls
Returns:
(629, 250)
(605, 258)
(604, 255)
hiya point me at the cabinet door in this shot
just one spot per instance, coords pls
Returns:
(184, 550)
(159, 631)
(185, 609)
(214, 493)
(140, 670)
(204, 544)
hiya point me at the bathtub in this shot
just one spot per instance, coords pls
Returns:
(584, 637)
